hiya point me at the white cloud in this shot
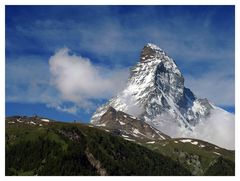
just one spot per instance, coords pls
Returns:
(68, 83)
(80, 82)
(76, 79)
(73, 109)
(218, 129)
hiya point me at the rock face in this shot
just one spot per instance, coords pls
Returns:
(129, 127)
(155, 93)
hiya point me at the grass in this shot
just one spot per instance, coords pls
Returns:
(187, 152)
(35, 150)
(60, 149)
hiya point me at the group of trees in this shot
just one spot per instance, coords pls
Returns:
(44, 156)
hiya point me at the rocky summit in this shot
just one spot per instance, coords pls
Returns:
(155, 94)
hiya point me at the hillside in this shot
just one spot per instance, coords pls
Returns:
(37, 147)
(195, 155)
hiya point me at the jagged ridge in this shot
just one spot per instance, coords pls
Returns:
(129, 127)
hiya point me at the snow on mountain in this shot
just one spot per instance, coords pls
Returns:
(155, 93)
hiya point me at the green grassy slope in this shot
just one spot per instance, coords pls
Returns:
(197, 158)
(56, 148)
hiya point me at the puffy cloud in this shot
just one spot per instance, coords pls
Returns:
(219, 129)
(80, 82)
(67, 83)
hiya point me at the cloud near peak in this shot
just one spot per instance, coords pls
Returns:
(79, 81)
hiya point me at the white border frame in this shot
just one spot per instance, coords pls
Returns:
(122, 2)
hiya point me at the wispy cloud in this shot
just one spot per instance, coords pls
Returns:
(183, 34)
(200, 39)
(217, 86)
(27, 80)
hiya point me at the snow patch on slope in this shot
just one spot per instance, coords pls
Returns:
(150, 142)
(31, 122)
(217, 153)
(185, 141)
(122, 123)
(45, 120)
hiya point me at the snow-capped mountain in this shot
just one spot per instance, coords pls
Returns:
(155, 94)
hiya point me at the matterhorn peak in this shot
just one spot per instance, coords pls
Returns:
(153, 46)
(150, 51)
(155, 93)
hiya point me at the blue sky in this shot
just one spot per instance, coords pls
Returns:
(104, 42)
